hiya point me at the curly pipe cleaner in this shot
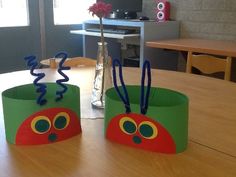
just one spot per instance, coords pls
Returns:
(32, 63)
(124, 98)
(144, 98)
(60, 93)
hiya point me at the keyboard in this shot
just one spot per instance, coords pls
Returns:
(112, 31)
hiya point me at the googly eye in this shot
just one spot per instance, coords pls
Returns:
(61, 121)
(128, 125)
(148, 130)
(40, 124)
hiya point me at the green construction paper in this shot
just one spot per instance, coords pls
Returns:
(20, 102)
(168, 107)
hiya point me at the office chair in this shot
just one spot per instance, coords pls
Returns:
(208, 64)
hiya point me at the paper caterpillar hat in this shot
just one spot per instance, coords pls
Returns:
(54, 116)
(154, 119)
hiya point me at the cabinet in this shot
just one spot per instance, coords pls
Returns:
(118, 44)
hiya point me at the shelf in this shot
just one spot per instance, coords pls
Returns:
(108, 35)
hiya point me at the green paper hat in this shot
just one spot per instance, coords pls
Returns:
(28, 123)
(164, 127)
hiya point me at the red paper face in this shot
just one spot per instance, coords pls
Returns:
(141, 132)
(48, 126)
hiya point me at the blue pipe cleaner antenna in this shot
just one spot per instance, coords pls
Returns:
(61, 68)
(124, 98)
(41, 88)
(144, 98)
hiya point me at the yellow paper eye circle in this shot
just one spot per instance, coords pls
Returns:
(128, 125)
(61, 121)
(148, 130)
(40, 124)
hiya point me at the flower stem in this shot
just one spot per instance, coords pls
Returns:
(104, 59)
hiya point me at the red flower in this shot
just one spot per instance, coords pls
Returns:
(100, 9)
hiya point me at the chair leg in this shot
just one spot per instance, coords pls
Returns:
(189, 60)
(228, 68)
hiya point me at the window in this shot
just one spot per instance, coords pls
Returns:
(71, 11)
(14, 13)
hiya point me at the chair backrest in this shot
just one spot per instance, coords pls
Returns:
(73, 62)
(208, 64)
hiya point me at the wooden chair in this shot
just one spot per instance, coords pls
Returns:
(208, 64)
(72, 62)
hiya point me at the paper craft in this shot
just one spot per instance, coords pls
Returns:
(53, 117)
(155, 121)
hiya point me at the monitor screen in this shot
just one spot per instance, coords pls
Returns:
(125, 5)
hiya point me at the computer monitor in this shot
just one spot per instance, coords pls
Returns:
(125, 8)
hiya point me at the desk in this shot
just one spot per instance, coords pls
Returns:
(117, 43)
(106, 35)
(211, 150)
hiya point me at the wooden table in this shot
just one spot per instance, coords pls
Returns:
(215, 47)
(205, 46)
(212, 135)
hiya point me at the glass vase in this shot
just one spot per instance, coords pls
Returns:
(102, 79)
